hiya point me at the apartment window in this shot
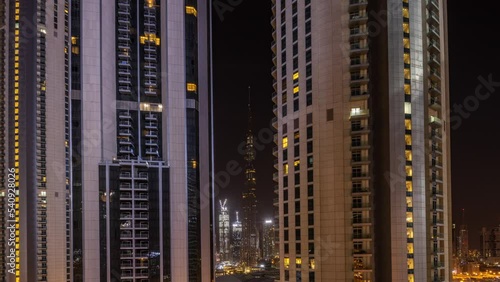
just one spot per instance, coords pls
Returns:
(297, 206)
(295, 105)
(310, 176)
(297, 234)
(356, 156)
(308, 13)
(309, 132)
(309, 99)
(285, 181)
(296, 123)
(297, 178)
(307, 2)
(308, 41)
(308, 56)
(297, 222)
(287, 249)
(283, 30)
(296, 151)
(308, 70)
(309, 118)
(356, 171)
(285, 127)
(297, 250)
(285, 235)
(356, 125)
(296, 137)
(295, 48)
(357, 202)
(295, 63)
(356, 141)
(310, 190)
(283, 59)
(357, 233)
(310, 205)
(285, 220)
(357, 217)
(283, 16)
(294, 21)
(312, 276)
(295, 35)
(311, 248)
(310, 219)
(285, 210)
(357, 246)
(309, 147)
(308, 27)
(283, 70)
(285, 195)
(283, 2)
(310, 234)
(294, 8)
(297, 192)
(309, 85)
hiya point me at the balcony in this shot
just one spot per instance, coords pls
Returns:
(150, 117)
(357, 95)
(141, 197)
(360, 145)
(152, 134)
(357, 48)
(126, 175)
(357, 32)
(357, 4)
(358, 64)
(125, 89)
(151, 125)
(274, 122)
(125, 124)
(435, 103)
(433, 18)
(126, 150)
(360, 176)
(363, 206)
(358, 18)
(437, 192)
(152, 152)
(433, 5)
(127, 141)
(125, 132)
(359, 113)
(360, 191)
(433, 33)
(124, 115)
(435, 122)
(141, 186)
(435, 91)
(142, 176)
(357, 80)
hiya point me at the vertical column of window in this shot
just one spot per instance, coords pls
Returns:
(360, 141)
(126, 147)
(16, 115)
(124, 50)
(41, 152)
(295, 56)
(408, 139)
(358, 39)
(150, 41)
(3, 161)
(67, 134)
(308, 48)
(436, 129)
(151, 126)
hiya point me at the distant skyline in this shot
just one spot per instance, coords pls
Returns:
(242, 57)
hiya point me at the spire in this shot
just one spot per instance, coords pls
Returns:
(237, 217)
(249, 108)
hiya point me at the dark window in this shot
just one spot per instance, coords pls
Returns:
(295, 35)
(310, 176)
(309, 118)
(309, 132)
(309, 99)
(283, 70)
(283, 111)
(309, 70)
(296, 123)
(297, 192)
(295, 49)
(308, 13)
(311, 248)
(297, 221)
(297, 234)
(329, 115)
(285, 195)
(285, 181)
(294, 8)
(295, 63)
(286, 249)
(285, 235)
(309, 85)
(308, 56)
(283, 30)
(310, 219)
(295, 105)
(294, 21)
(283, 56)
(309, 147)
(285, 127)
(297, 248)
(356, 141)
(285, 210)
(285, 220)
(310, 190)
(297, 206)
(308, 41)
(308, 27)
(297, 178)
(296, 151)
(310, 234)
(310, 205)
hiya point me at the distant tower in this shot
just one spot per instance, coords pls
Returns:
(250, 235)
(236, 240)
(268, 239)
(224, 231)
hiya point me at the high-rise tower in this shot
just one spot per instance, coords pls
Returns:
(107, 124)
(250, 233)
(363, 148)
(236, 240)
(224, 228)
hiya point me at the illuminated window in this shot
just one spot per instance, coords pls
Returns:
(191, 87)
(74, 40)
(409, 202)
(285, 142)
(312, 263)
(286, 262)
(407, 58)
(409, 155)
(295, 90)
(408, 124)
(409, 217)
(285, 169)
(408, 140)
(295, 76)
(410, 263)
(409, 232)
(406, 43)
(409, 171)
(409, 247)
(407, 73)
(408, 108)
(190, 10)
(296, 163)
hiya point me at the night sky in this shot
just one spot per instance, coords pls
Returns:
(242, 58)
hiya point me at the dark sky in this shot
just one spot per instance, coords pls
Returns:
(242, 57)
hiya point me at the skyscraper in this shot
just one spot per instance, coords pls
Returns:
(268, 240)
(236, 240)
(107, 124)
(224, 228)
(250, 233)
(361, 105)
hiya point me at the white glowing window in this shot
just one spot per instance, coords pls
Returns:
(408, 108)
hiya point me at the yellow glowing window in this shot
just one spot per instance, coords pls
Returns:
(194, 164)
(409, 202)
(407, 108)
(286, 262)
(409, 247)
(16, 65)
(411, 278)
(409, 170)
(409, 186)
(312, 263)
(16, 151)
(406, 14)
(285, 142)
(406, 27)
(409, 217)
(285, 169)
(407, 124)
(408, 155)
(409, 232)
(16, 45)
(44, 179)
(295, 76)
(150, 3)
(17, 5)
(295, 90)
(190, 10)
(16, 17)
(298, 261)
(406, 43)
(408, 140)
(410, 263)
(407, 59)
(191, 87)
(407, 74)
(296, 163)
